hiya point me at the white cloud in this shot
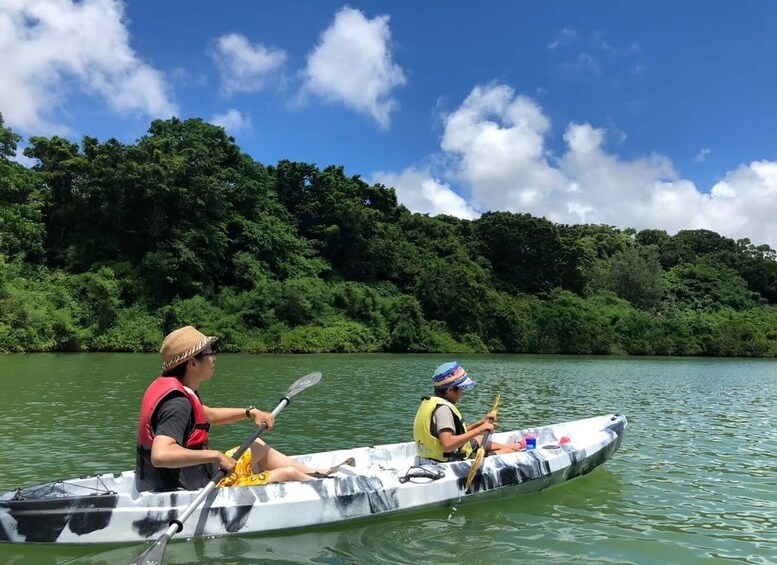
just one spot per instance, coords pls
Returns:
(496, 143)
(231, 120)
(497, 140)
(421, 192)
(702, 155)
(585, 64)
(352, 64)
(746, 202)
(48, 47)
(245, 67)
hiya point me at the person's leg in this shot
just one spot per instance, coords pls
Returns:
(283, 474)
(265, 458)
(500, 448)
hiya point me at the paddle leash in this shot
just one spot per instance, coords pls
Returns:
(481, 452)
(154, 554)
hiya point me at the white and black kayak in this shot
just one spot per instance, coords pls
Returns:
(108, 509)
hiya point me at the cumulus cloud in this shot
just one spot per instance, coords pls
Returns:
(702, 155)
(497, 141)
(352, 65)
(243, 66)
(421, 192)
(746, 198)
(48, 47)
(231, 120)
(494, 143)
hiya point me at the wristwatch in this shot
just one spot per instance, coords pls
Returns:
(248, 412)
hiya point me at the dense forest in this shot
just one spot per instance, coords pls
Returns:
(107, 246)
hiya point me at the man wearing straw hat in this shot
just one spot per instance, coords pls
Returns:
(172, 449)
(439, 430)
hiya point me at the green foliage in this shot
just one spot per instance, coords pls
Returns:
(525, 253)
(22, 231)
(338, 337)
(134, 330)
(709, 285)
(568, 323)
(511, 322)
(406, 324)
(107, 246)
(455, 292)
(303, 301)
(634, 274)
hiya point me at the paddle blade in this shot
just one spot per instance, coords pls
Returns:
(301, 384)
(475, 466)
(154, 554)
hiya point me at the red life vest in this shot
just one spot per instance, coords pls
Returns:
(154, 394)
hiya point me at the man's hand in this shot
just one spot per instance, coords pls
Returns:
(263, 418)
(486, 427)
(226, 463)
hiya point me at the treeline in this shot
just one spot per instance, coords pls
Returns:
(107, 246)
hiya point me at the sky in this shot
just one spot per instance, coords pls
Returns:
(645, 115)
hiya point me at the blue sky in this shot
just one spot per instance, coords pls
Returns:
(647, 115)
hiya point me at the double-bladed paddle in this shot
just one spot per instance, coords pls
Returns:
(481, 453)
(154, 554)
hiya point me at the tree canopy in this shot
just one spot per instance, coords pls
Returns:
(105, 246)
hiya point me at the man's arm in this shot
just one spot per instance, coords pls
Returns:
(172, 419)
(451, 442)
(217, 416)
(167, 453)
(446, 427)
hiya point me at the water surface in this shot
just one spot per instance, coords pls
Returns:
(695, 480)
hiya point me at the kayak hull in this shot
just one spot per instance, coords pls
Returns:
(108, 509)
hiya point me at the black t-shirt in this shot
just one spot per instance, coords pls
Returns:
(174, 417)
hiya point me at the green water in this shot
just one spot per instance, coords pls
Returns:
(695, 480)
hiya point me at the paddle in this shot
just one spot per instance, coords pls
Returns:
(155, 553)
(481, 453)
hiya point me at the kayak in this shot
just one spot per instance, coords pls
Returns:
(107, 508)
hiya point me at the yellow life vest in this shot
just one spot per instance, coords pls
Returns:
(426, 444)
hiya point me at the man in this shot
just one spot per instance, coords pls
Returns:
(172, 449)
(439, 430)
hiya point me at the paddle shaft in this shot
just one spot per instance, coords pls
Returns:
(481, 452)
(486, 437)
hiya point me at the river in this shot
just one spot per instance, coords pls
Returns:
(695, 480)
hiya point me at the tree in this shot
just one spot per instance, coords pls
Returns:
(635, 275)
(22, 231)
(525, 252)
(709, 285)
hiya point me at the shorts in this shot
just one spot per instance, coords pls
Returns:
(243, 475)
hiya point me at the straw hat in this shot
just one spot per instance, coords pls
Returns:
(449, 375)
(181, 345)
